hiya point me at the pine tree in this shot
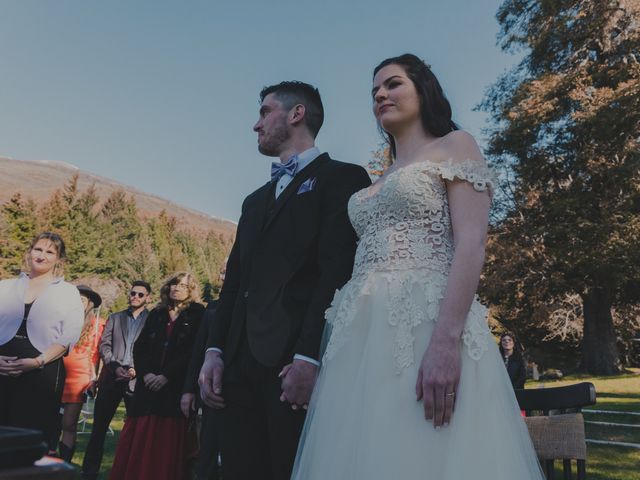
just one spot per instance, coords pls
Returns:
(110, 240)
(119, 229)
(141, 261)
(84, 235)
(19, 226)
(567, 126)
(166, 246)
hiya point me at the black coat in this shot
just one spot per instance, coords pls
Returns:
(517, 370)
(150, 355)
(289, 257)
(199, 348)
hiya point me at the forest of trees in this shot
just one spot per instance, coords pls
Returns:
(109, 241)
(564, 254)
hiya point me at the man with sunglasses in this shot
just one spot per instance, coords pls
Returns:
(118, 374)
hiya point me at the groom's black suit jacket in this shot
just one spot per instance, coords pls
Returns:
(289, 257)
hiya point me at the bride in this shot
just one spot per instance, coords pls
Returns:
(412, 384)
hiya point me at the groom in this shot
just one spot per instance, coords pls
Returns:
(294, 247)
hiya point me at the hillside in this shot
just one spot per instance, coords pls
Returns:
(39, 179)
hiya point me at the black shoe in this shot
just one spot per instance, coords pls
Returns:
(66, 453)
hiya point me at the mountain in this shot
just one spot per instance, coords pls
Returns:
(39, 179)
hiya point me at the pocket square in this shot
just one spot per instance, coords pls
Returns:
(307, 185)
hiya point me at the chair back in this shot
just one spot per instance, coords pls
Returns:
(557, 431)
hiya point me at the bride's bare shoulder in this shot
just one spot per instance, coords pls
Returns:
(459, 145)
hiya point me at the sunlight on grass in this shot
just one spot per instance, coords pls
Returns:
(109, 444)
(604, 462)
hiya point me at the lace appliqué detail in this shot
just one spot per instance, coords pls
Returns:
(478, 174)
(340, 314)
(406, 223)
(476, 334)
(413, 297)
(405, 313)
(405, 237)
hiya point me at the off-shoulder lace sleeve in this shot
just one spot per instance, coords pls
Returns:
(475, 172)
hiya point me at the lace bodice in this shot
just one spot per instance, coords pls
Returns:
(405, 223)
(405, 237)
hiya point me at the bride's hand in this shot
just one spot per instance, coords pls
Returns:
(438, 379)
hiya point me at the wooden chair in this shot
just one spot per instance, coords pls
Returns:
(556, 426)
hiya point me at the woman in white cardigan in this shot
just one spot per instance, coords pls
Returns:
(41, 316)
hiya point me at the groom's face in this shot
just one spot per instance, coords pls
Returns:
(272, 127)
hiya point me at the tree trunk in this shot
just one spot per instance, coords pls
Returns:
(599, 349)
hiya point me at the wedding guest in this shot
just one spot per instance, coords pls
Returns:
(155, 443)
(80, 366)
(41, 317)
(513, 360)
(118, 373)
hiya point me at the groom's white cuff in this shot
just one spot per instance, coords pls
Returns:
(213, 349)
(306, 359)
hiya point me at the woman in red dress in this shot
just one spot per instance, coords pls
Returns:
(80, 366)
(155, 441)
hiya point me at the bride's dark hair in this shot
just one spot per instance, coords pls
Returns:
(435, 109)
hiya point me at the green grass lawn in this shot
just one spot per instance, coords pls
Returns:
(604, 462)
(619, 393)
(109, 445)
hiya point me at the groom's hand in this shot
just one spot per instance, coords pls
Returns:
(298, 379)
(210, 380)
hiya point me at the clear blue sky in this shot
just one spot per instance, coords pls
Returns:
(162, 95)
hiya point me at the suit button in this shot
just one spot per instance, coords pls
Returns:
(246, 294)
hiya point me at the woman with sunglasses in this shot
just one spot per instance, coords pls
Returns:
(161, 355)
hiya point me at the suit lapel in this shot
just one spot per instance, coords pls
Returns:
(262, 200)
(293, 186)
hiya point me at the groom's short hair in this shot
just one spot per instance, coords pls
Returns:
(291, 93)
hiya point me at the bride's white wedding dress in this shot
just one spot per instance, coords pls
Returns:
(364, 422)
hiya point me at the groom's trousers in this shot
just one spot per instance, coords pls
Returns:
(260, 433)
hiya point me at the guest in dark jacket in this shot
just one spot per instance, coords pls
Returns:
(155, 440)
(513, 360)
(206, 466)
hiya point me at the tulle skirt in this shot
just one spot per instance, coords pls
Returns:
(364, 422)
